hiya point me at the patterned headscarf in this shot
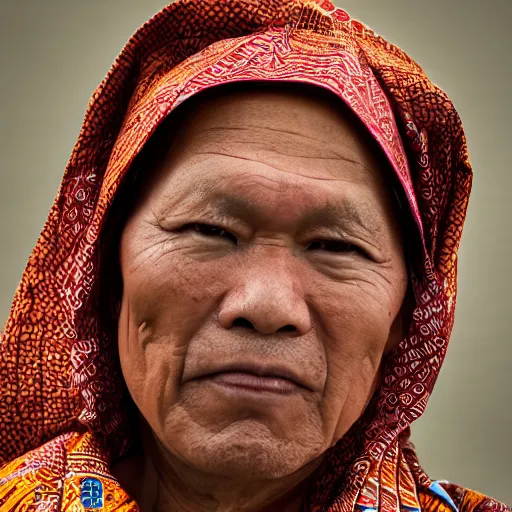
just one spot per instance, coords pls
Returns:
(63, 407)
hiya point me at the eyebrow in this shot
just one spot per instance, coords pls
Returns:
(328, 215)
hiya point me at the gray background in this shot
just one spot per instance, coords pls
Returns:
(53, 54)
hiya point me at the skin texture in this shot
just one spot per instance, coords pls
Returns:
(271, 282)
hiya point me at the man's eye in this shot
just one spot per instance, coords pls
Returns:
(209, 231)
(333, 246)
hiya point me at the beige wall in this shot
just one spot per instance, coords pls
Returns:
(52, 55)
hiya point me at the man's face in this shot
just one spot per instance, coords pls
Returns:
(263, 276)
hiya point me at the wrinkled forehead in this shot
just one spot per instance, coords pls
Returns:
(309, 123)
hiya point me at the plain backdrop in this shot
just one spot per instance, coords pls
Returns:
(53, 53)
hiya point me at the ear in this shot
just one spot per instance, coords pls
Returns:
(401, 323)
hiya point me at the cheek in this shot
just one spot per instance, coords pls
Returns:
(354, 331)
(166, 300)
(170, 292)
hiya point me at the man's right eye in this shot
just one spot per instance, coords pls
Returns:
(209, 231)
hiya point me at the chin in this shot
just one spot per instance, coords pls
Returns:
(247, 449)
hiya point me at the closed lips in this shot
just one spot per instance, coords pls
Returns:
(261, 372)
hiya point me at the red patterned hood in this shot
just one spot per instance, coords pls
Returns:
(59, 371)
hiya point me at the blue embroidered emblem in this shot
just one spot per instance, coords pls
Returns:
(91, 493)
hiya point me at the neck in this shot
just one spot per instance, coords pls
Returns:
(167, 483)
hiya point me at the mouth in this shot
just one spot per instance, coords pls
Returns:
(250, 382)
(257, 379)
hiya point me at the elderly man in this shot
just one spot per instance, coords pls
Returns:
(245, 288)
(263, 275)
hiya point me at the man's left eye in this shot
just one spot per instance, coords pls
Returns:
(333, 246)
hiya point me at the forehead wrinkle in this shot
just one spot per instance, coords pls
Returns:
(252, 128)
(295, 173)
(320, 150)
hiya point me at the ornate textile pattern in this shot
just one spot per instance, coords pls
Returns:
(62, 417)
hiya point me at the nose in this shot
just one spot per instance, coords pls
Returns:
(268, 299)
